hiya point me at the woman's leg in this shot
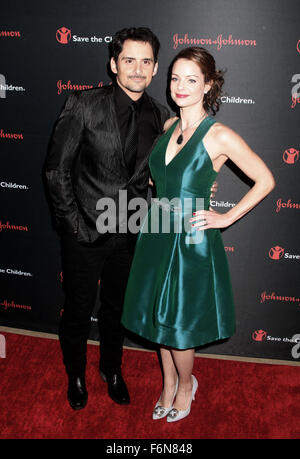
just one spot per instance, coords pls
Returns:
(169, 377)
(184, 362)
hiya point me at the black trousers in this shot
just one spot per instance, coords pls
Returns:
(83, 266)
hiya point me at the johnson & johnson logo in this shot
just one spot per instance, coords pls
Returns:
(295, 101)
(68, 86)
(11, 304)
(219, 41)
(290, 156)
(286, 205)
(265, 297)
(9, 227)
(10, 135)
(10, 33)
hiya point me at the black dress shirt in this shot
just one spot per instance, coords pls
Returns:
(147, 127)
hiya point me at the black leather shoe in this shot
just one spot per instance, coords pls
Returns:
(116, 386)
(77, 393)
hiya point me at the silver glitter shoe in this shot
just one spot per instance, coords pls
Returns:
(176, 415)
(160, 411)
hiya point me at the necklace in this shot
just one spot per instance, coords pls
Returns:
(180, 138)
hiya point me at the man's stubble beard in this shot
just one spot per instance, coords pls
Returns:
(132, 88)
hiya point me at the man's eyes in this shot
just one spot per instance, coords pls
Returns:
(144, 62)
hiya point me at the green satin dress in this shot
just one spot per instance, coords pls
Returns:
(179, 291)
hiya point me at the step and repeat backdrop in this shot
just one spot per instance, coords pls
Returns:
(49, 49)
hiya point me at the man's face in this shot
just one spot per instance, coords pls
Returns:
(135, 67)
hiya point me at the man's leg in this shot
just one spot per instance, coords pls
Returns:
(81, 267)
(114, 279)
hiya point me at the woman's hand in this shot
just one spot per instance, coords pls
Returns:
(213, 190)
(205, 219)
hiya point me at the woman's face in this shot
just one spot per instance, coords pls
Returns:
(187, 84)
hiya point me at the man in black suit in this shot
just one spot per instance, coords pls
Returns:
(101, 145)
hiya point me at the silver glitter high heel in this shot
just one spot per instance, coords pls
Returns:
(160, 411)
(176, 415)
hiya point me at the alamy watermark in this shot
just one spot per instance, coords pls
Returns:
(133, 215)
(296, 348)
(296, 88)
(2, 347)
(2, 87)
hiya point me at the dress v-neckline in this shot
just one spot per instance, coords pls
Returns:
(178, 153)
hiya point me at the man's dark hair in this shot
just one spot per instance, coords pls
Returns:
(142, 34)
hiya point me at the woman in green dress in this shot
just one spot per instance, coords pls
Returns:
(179, 292)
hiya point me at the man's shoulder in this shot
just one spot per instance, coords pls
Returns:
(94, 93)
(90, 99)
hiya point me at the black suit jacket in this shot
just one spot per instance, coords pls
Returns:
(85, 160)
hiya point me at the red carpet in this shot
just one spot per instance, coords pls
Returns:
(234, 399)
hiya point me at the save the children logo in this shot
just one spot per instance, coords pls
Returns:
(15, 272)
(259, 335)
(277, 253)
(237, 100)
(5, 87)
(290, 156)
(13, 186)
(64, 36)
